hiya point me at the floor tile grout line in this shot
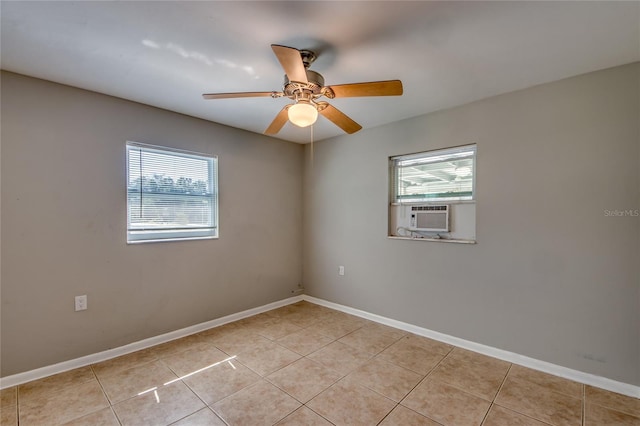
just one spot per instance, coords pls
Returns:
(484, 419)
(422, 381)
(387, 415)
(181, 380)
(584, 405)
(518, 412)
(106, 396)
(523, 414)
(305, 405)
(18, 404)
(114, 414)
(504, 379)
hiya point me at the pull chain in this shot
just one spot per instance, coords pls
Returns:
(311, 146)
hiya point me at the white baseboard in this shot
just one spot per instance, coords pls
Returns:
(546, 367)
(39, 373)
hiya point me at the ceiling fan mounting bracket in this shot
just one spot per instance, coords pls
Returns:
(307, 57)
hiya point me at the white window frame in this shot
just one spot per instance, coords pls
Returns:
(172, 232)
(397, 163)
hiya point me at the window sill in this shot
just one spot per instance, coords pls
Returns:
(437, 240)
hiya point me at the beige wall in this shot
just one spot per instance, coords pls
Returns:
(64, 225)
(551, 277)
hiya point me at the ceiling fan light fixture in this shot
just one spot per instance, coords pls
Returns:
(303, 113)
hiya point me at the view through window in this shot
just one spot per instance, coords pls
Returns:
(171, 194)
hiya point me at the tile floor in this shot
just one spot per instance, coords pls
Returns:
(304, 364)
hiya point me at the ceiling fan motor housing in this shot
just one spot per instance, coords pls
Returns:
(314, 85)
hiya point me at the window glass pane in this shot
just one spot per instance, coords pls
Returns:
(170, 194)
(444, 175)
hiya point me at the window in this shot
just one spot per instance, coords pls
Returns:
(434, 176)
(432, 195)
(171, 194)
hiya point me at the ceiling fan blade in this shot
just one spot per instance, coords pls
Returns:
(373, 88)
(291, 62)
(278, 122)
(338, 118)
(241, 95)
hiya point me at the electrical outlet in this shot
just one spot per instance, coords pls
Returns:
(81, 303)
(340, 270)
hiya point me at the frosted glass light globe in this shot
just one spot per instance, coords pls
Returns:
(303, 114)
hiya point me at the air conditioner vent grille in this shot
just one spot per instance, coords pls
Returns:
(431, 218)
(428, 208)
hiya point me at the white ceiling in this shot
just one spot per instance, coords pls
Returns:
(167, 54)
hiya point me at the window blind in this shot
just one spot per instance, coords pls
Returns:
(171, 194)
(435, 176)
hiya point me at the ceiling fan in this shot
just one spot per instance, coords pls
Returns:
(305, 87)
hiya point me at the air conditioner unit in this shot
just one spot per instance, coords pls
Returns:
(430, 218)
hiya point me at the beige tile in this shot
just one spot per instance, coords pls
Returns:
(477, 374)
(180, 345)
(306, 316)
(306, 306)
(402, 416)
(8, 397)
(104, 417)
(500, 416)
(373, 338)
(616, 401)
(221, 381)
(204, 417)
(267, 358)
(283, 311)
(194, 359)
(314, 308)
(304, 341)
(446, 404)
(303, 417)
(304, 320)
(597, 415)
(129, 383)
(261, 403)
(163, 406)
(340, 357)
(277, 328)
(218, 332)
(540, 403)
(554, 383)
(415, 357)
(304, 379)
(385, 378)
(426, 343)
(38, 388)
(9, 415)
(125, 362)
(255, 322)
(348, 403)
(66, 404)
(326, 314)
(239, 341)
(336, 326)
